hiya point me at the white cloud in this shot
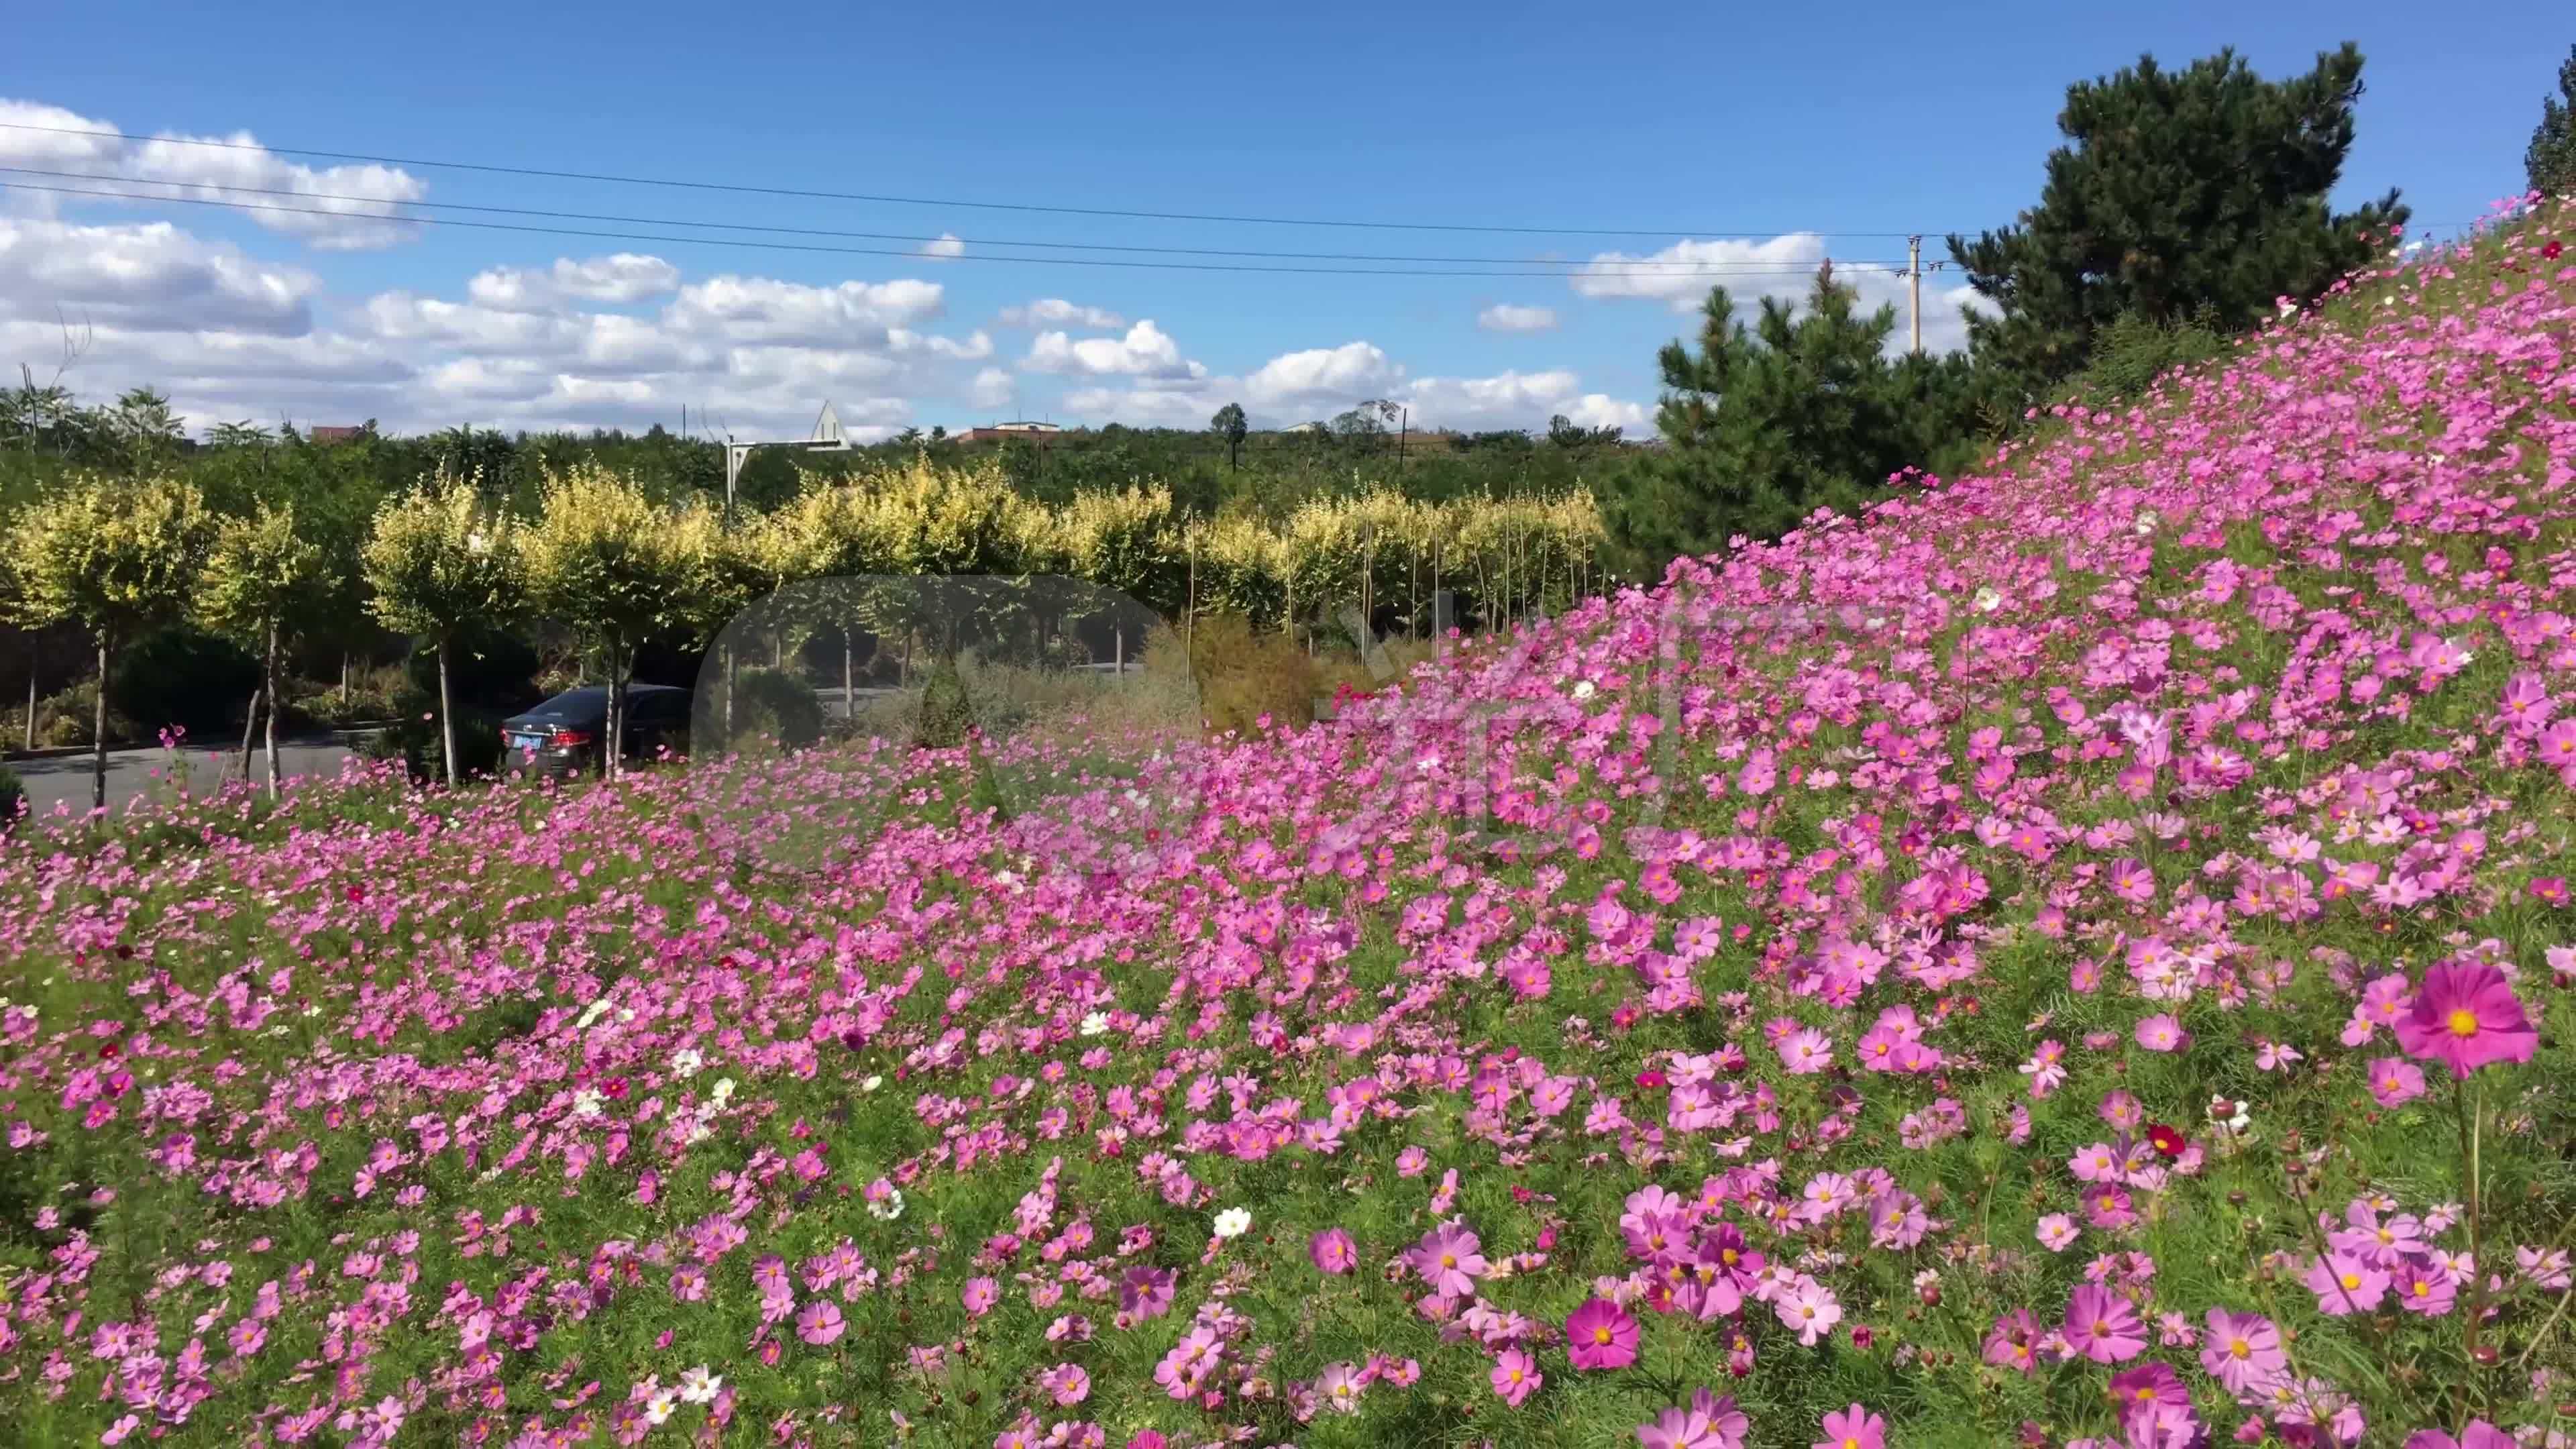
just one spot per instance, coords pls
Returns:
(1185, 404)
(619, 280)
(1146, 351)
(1517, 400)
(1322, 375)
(946, 247)
(335, 208)
(993, 388)
(1057, 312)
(768, 310)
(149, 277)
(1509, 317)
(1788, 264)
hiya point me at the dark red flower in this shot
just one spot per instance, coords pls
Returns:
(110, 1052)
(2552, 250)
(2167, 1142)
(1650, 1079)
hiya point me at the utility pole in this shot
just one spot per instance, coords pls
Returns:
(1914, 288)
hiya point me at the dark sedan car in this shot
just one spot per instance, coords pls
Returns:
(562, 735)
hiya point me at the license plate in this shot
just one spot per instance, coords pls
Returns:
(527, 742)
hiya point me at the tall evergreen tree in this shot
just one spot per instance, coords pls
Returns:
(2550, 164)
(1767, 422)
(2181, 193)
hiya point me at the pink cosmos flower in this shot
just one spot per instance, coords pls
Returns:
(2395, 1081)
(2242, 1350)
(2008, 1344)
(2480, 1435)
(979, 1295)
(2422, 1288)
(1810, 1308)
(1332, 1251)
(819, 1322)
(1853, 1428)
(2345, 1283)
(1516, 1376)
(2057, 1232)
(2162, 1033)
(1448, 1261)
(2103, 1326)
(2466, 1016)
(1600, 1335)
(1066, 1383)
(1709, 1422)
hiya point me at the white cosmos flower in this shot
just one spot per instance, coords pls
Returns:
(2146, 522)
(1987, 600)
(697, 1386)
(585, 1103)
(1583, 689)
(890, 1209)
(1233, 1222)
(686, 1061)
(1095, 1024)
(658, 1407)
(871, 1083)
(723, 1092)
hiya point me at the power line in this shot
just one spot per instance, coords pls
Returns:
(778, 246)
(1624, 264)
(1022, 206)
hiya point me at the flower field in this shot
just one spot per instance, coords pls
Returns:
(2078, 955)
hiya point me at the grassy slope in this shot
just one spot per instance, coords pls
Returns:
(412, 980)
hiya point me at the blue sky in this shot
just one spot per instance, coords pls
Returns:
(1753, 139)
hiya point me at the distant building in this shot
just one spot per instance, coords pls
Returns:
(1303, 428)
(327, 435)
(997, 432)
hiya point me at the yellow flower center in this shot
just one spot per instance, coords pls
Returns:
(2352, 1280)
(2464, 1023)
(1448, 1260)
(1601, 1335)
(2239, 1348)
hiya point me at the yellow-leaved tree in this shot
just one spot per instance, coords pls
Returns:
(115, 555)
(605, 557)
(261, 580)
(439, 561)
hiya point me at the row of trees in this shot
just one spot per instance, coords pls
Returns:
(901, 552)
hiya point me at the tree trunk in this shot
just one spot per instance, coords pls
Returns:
(268, 683)
(250, 725)
(34, 654)
(612, 751)
(344, 681)
(98, 732)
(849, 671)
(446, 714)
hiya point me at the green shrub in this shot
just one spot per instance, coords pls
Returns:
(63, 717)
(184, 676)
(413, 738)
(13, 795)
(2131, 353)
(1241, 673)
(493, 669)
(946, 710)
(774, 705)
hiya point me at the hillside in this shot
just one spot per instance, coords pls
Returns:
(1805, 983)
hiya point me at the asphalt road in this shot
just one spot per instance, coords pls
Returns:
(130, 773)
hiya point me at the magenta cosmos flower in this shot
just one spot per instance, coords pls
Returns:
(2466, 1016)
(1332, 1251)
(2103, 1326)
(1854, 1428)
(2479, 1435)
(1600, 1335)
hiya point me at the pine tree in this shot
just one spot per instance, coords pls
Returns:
(2550, 164)
(2180, 192)
(1766, 423)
